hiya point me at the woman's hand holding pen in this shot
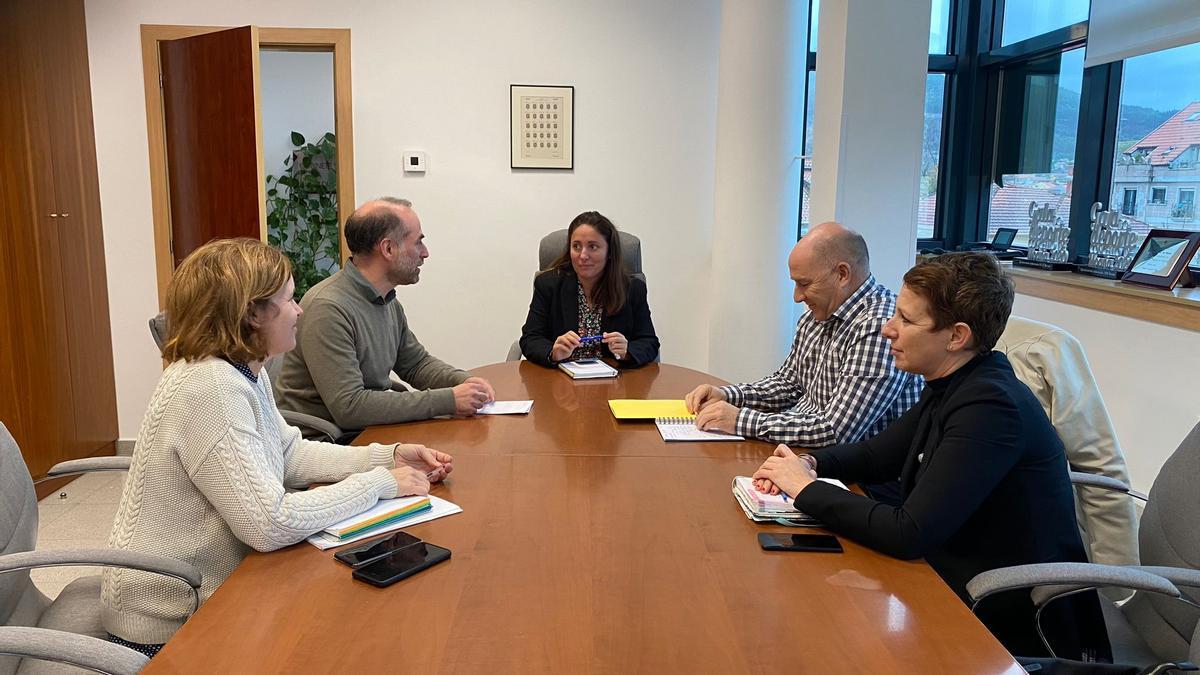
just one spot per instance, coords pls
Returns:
(433, 464)
(564, 346)
(617, 344)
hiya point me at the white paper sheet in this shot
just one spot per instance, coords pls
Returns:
(506, 408)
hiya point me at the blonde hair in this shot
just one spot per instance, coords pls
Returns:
(213, 295)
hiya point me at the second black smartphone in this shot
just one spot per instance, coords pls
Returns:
(402, 564)
(374, 550)
(821, 543)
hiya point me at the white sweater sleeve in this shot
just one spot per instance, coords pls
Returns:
(306, 462)
(238, 478)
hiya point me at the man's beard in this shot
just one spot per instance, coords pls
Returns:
(404, 276)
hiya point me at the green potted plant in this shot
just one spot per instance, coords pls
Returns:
(302, 210)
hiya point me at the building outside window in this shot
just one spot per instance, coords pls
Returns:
(1158, 139)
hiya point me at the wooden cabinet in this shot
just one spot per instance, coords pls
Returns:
(57, 395)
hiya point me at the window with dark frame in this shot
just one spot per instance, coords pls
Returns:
(1129, 202)
(1140, 118)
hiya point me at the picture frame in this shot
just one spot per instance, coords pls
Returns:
(1162, 260)
(542, 126)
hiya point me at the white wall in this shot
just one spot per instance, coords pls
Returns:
(297, 95)
(760, 113)
(868, 124)
(434, 77)
(1146, 373)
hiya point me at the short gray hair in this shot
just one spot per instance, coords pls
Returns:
(845, 245)
(370, 223)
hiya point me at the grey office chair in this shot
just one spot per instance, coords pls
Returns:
(310, 426)
(1052, 363)
(37, 635)
(1158, 626)
(552, 246)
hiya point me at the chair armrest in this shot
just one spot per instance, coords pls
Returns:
(1180, 576)
(73, 649)
(72, 467)
(107, 557)
(305, 421)
(1104, 482)
(1052, 579)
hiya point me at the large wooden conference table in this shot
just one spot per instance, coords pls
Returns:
(587, 545)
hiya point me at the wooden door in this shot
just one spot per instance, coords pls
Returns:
(211, 124)
(90, 387)
(35, 319)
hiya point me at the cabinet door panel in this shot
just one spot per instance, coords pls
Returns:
(35, 320)
(81, 252)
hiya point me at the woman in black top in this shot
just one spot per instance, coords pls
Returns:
(586, 304)
(982, 471)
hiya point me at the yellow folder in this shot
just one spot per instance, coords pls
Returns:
(647, 409)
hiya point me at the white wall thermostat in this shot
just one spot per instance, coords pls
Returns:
(414, 162)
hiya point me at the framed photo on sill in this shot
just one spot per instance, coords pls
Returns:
(1163, 259)
(543, 126)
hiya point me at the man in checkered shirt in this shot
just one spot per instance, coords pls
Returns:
(839, 384)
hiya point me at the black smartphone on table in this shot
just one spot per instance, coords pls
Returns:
(820, 543)
(402, 564)
(374, 550)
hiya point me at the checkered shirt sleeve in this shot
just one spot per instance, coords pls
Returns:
(839, 384)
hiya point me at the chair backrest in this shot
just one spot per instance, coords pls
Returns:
(1168, 537)
(555, 243)
(18, 533)
(158, 329)
(1051, 362)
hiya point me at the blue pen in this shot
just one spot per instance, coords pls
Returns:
(588, 339)
(785, 496)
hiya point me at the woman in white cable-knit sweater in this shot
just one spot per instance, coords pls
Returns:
(214, 460)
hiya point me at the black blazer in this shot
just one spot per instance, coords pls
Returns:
(554, 310)
(985, 485)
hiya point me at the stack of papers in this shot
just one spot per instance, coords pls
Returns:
(587, 369)
(764, 508)
(434, 507)
(384, 513)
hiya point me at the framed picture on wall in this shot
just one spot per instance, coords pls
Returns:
(543, 126)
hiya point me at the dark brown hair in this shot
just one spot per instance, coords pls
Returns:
(613, 284)
(214, 292)
(966, 287)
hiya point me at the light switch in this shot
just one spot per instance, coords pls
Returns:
(414, 162)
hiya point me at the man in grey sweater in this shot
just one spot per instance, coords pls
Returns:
(353, 334)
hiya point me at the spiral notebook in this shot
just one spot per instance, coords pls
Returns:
(684, 429)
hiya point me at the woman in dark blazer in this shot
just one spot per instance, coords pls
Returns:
(982, 471)
(587, 305)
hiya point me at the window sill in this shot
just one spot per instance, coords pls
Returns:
(1179, 308)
